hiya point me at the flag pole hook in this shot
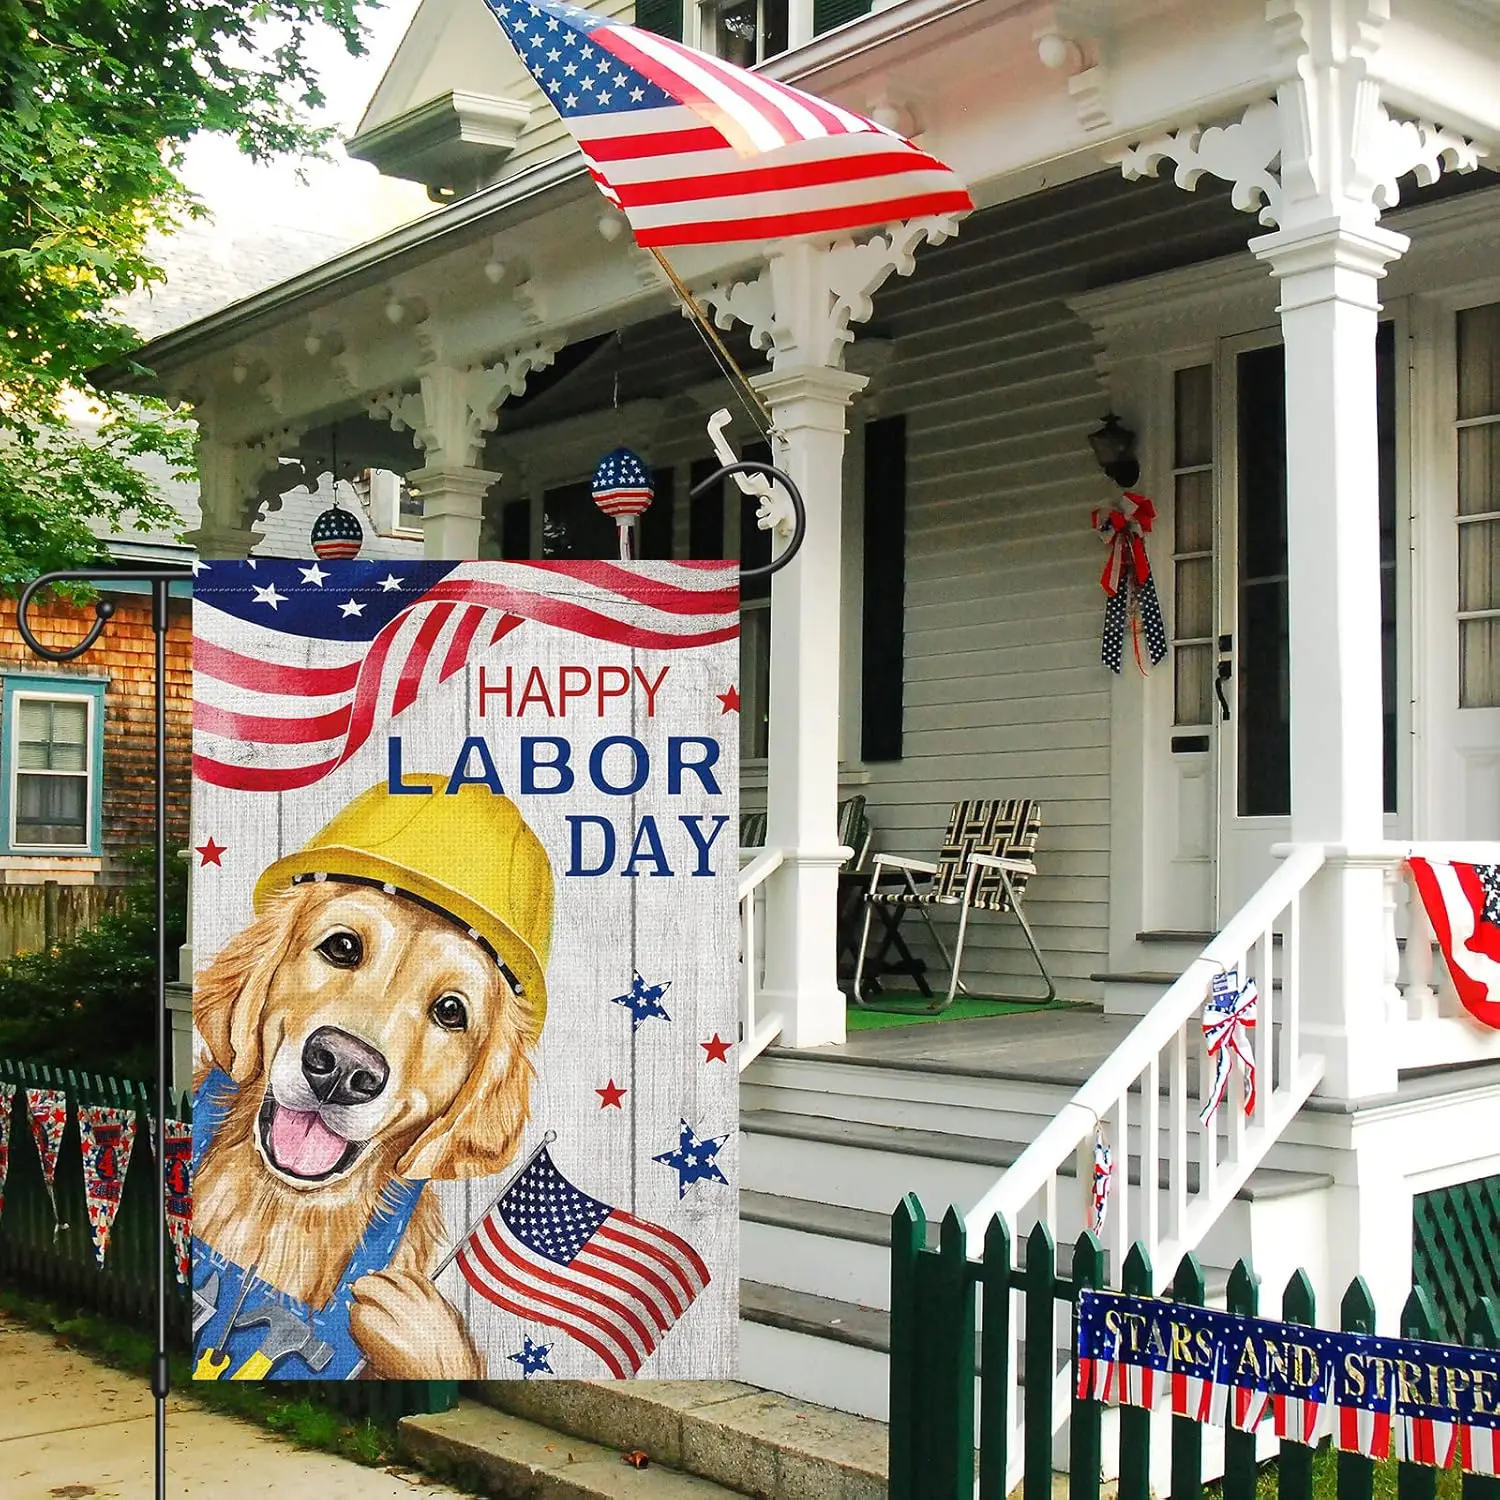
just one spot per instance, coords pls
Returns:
(161, 581)
(750, 467)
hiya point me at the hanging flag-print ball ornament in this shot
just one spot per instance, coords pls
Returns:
(622, 484)
(337, 533)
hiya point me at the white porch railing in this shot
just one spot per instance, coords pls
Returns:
(757, 1031)
(1173, 1177)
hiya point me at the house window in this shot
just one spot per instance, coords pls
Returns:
(744, 32)
(1479, 507)
(1193, 548)
(52, 755)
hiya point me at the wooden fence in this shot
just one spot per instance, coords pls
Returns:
(33, 917)
(59, 1263)
(945, 1308)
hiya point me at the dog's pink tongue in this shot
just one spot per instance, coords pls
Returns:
(303, 1144)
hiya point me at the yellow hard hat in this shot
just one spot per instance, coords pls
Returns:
(471, 855)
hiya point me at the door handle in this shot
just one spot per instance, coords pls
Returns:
(1225, 672)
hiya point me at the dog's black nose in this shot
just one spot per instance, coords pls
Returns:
(341, 1069)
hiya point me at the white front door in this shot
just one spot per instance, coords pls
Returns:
(1220, 763)
(1251, 711)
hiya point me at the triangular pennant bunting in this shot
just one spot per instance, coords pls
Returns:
(7, 1098)
(49, 1117)
(179, 1189)
(106, 1135)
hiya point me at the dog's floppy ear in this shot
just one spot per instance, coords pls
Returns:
(478, 1134)
(229, 997)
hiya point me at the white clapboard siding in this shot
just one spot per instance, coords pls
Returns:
(1004, 692)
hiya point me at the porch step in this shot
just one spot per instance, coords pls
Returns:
(935, 1145)
(499, 1454)
(721, 1437)
(1170, 935)
(1161, 978)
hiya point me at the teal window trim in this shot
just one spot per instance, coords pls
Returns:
(59, 685)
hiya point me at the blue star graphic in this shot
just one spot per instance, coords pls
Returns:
(643, 1001)
(532, 1359)
(693, 1160)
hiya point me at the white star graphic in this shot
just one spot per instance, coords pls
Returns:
(268, 595)
(636, 95)
(249, 562)
(553, 85)
(571, 101)
(569, 69)
(553, 23)
(351, 608)
(553, 55)
(587, 53)
(620, 80)
(390, 582)
(313, 575)
(199, 566)
(604, 96)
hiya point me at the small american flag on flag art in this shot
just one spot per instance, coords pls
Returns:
(296, 666)
(696, 151)
(551, 1254)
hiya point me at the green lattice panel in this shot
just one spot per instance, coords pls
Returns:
(1456, 1248)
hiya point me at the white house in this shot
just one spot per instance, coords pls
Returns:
(1260, 230)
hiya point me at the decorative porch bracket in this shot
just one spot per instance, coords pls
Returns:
(449, 415)
(799, 309)
(233, 484)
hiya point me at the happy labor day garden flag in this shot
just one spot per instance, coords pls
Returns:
(465, 933)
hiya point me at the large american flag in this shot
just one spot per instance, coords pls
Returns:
(696, 151)
(1463, 905)
(551, 1254)
(296, 665)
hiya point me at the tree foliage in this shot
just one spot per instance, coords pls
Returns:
(99, 99)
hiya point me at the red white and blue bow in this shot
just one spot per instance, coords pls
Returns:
(1103, 1180)
(1228, 1020)
(1130, 590)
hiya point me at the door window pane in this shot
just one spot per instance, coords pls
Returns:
(1192, 546)
(1478, 343)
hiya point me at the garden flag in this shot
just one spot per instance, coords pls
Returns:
(49, 1117)
(696, 151)
(465, 929)
(1463, 904)
(7, 1100)
(106, 1135)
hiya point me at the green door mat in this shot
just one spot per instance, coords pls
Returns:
(964, 1008)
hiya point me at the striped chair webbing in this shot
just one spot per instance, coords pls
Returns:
(1007, 830)
(752, 830)
(853, 829)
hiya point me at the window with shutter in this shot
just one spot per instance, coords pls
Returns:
(664, 17)
(883, 657)
(830, 13)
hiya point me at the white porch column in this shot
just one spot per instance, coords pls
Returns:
(452, 508)
(809, 406)
(1329, 272)
(800, 308)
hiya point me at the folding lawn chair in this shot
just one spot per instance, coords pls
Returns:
(987, 858)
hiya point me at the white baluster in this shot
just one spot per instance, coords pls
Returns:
(1392, 1006)
(1120, 1192)
(1177, 1147)
(1151, 1155)
(1422, 1000)
(1263, 1049)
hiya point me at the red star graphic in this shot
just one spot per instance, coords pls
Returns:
(718, 1049)
(212, 853)
(611, 1096)
(730, 700)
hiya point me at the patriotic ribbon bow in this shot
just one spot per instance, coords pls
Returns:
(1103, 1180)
(1228, 1019)
(1130, 590)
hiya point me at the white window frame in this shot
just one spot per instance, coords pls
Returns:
(93, 773)
(1491, 517)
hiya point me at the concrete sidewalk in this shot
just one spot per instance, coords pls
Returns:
(71, 1429)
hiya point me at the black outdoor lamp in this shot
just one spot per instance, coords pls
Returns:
(1114, 450)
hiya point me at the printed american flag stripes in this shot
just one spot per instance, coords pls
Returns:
(1381, 1397)
(551, 1254)
(1463, 904)
(295, 667)
(697, 151)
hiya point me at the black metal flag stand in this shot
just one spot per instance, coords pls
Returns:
(161, 581)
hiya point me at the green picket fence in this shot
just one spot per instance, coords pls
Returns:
(59, 1262)
(950, 1323)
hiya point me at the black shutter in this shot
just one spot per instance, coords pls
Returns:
(706, 518)
(656, 524)
(830, 13)
(515, 529)
(884, 612)
(573, 526)
(664, 17)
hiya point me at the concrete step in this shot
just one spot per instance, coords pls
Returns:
(493, 1453)
(727, 1436)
